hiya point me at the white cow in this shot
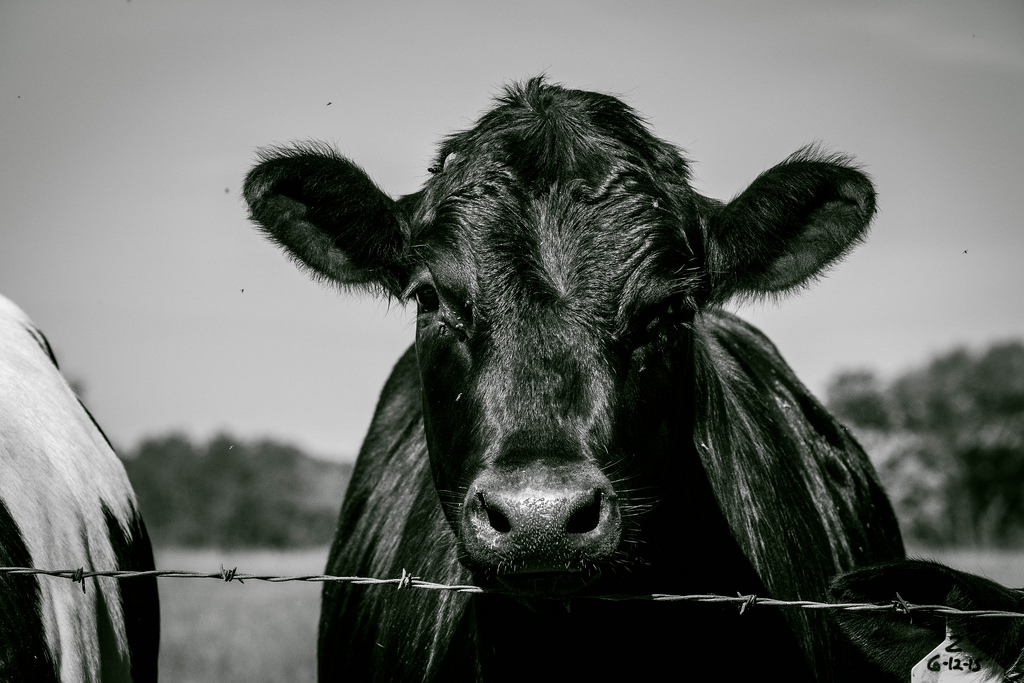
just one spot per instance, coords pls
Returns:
(65, 502)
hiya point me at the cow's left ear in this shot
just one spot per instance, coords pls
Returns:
(329, 216)
(789, 226)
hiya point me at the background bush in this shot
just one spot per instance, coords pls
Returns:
(948, 442)
(232, 493)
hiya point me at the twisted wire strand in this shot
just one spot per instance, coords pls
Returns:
(407, 580)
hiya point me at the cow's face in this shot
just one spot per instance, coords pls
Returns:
(549, 335)
(557, 258)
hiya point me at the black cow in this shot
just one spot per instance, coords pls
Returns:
(65, 503)
(578, 416)
(900, 641)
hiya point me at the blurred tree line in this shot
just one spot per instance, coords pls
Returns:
(948, 443)
(232, 493)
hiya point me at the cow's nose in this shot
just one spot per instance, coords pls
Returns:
(541, 519)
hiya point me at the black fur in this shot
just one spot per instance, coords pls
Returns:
(578, 417)
(139, 596)
(24, 655)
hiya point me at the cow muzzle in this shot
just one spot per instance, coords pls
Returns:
(540, 520)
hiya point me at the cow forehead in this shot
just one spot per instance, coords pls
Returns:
(596, 260)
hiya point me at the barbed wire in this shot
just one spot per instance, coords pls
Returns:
(407, 580)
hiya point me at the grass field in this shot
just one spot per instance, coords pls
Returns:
(260, 632)
(255, 632)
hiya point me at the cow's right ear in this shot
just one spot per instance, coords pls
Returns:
(793, 222)
(329, 216)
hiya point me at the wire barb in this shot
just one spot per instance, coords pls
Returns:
(230, 575)
(78, 576)
(901, 605)
(748, 601)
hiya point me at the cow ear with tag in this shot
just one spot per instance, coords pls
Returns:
(793, 222)
(329, 216)
(899, 642)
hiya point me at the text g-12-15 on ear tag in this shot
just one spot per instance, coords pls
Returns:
(956, 661)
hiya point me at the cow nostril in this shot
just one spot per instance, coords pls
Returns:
(587, 517)
(496, 519)
(551, 524)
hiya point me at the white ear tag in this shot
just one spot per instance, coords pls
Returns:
(948, 663)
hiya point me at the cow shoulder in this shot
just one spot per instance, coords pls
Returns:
(391, 521)
(757, 428)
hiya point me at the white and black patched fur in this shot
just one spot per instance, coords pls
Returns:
(65, 503)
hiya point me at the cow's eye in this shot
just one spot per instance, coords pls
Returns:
(672, 312)
(657, 320)
(427, 299)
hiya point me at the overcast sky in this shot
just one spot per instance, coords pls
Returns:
(126, 129)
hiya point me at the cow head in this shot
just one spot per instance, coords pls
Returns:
(558, 257)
